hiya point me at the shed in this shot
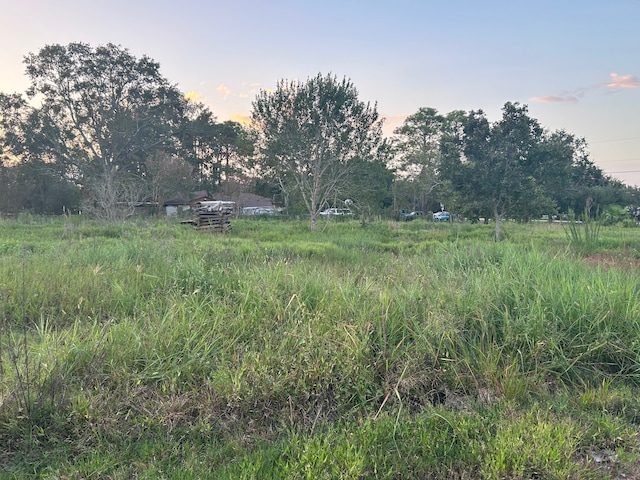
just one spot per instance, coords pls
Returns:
(175, 206)
(250, 203)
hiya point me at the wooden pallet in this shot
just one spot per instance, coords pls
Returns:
(213, 220)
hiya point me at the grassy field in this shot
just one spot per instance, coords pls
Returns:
(391, 350)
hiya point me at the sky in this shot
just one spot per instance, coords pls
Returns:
(574, 63)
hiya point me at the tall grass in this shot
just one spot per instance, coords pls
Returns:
(584, 232)
(395, 350)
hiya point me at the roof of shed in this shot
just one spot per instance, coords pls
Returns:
(247, 200)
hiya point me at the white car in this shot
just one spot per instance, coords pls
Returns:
(442, 216)
(335, 211)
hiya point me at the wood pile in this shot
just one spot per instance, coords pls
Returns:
(214, 216)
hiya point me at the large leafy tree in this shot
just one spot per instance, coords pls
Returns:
(96, 113)
(509, 168)
(197, 139)
(417, 155)
(34, 185)
(370, 187)
(233, 146)
(106, 108)
(217, 151)
(589, 187)
(309, 133)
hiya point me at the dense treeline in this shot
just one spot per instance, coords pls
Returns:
(102, 131)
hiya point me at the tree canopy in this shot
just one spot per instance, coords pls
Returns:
(309, 133)
(417, 155)
(98, 115)
(512, 167)
(102, 108)
(104, 123)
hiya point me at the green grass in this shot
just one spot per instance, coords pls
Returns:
(395, 350)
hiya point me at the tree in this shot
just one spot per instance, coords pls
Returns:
(197, 138)
(42, 190)
(32, 184)
(309, 132)
(417, 161)
(233, 144)
(369, 187)
(511, 167)
(102, 112)
(113, 199)
(9, 189)
(589, 186)
(167, 176)
(217, 151)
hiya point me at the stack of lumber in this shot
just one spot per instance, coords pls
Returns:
(214, 216)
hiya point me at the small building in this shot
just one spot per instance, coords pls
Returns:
(251, 204)
(175, 206)
(178, 205)
(200, 196)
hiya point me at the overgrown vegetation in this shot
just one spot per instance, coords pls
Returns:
(103, 132)
(584, 232)
(398, 350)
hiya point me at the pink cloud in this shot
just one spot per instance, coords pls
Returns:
(554, 99)
(623, 81)
(394, 120)
(572, 96)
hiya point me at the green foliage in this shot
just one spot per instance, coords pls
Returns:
(312, 136)
(108, 121)
(534, 446)
(614, 214)
(400, 350)
(584, 233)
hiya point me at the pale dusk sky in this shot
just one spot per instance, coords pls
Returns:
(575, 63)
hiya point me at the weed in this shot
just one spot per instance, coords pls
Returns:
(584, 233)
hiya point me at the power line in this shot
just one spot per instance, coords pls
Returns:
(617, 160)
(615, 140)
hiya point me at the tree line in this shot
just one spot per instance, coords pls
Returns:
(102, 131)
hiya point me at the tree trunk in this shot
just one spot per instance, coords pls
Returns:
(314, 222)
(498, 219)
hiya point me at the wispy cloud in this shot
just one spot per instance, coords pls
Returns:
(391, 122)
(224, 90)
(617, 82)
(243, 91)
(555, 99)
(623, 81)
(250, 89)
(395, 118)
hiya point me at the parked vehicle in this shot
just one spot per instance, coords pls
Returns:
(335, 211)
(442, 216)
(407, 215)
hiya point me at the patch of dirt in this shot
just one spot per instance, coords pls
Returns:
(608, 260)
